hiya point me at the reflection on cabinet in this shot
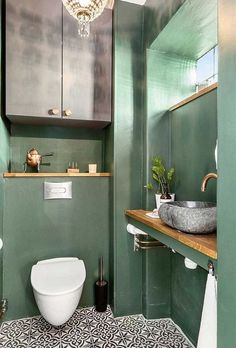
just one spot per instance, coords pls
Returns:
(87, 69)
(52, 75)
(33, 57)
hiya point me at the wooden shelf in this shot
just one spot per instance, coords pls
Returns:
(41, 175)
(205, 244)
(194, 96)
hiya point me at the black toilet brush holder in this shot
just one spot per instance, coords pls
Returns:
(101, 290)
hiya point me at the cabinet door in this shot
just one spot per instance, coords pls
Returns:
(33, 57)
(87, 69)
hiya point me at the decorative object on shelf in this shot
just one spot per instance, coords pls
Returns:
(73, 167)
(73, 170)
(92, 168)
(85, 11)
(34, 159)
(163, 178)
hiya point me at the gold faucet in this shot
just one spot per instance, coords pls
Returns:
(205, 180)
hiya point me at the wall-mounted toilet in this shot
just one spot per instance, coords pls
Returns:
(57, 285)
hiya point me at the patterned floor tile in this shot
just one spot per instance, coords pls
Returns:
(89, 329)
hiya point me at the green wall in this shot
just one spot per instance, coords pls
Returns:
(187, 294)
(193, 141)
(124, 147)
(168, 79)
(185, 139)
(4, 160)
(80, 145)
(154, 282)
(191, 31)
(164, 86)
(226, 169)
(127, 153)
(36, 229)
(4, 151)
(157, 15)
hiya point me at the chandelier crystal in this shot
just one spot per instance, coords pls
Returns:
(85, 11)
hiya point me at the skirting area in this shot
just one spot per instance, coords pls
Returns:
(90, 329)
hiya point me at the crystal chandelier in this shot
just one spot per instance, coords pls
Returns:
(85, 11)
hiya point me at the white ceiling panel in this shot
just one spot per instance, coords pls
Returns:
(138, 2)
(110, 3)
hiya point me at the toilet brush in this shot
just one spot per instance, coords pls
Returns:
(101, 287)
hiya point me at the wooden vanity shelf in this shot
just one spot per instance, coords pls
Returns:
(41, 175)
(199, 248)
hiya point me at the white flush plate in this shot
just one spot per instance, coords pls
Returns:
(56, 190)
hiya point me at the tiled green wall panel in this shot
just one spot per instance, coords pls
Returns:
(191, 32)
(36, 229)
(156, 288)
(187, 293)
(193, 141)
(69, 145)
(169, 80)
(157, 15)
(226, 180)
(4, 150)
(4, 161)
(128, 153)
(186, 139)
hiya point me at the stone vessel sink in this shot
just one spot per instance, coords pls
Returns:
(189, 217)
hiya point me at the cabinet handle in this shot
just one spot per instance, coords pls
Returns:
(67, 112)
(54, 112)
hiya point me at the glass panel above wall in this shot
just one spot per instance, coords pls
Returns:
(205, 66)
(207, 69)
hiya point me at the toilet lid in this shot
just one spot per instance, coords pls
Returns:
(58, 276)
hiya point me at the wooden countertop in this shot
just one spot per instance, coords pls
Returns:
(205, 244)
(39, 175)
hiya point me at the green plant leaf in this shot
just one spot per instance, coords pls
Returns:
(170, 174)
(149, 186)
(160, 175)
(156, 177)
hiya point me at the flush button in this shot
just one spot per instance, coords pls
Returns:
(55, 190)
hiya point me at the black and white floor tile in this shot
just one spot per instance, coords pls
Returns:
(90, 329)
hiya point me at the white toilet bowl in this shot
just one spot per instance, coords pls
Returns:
(57, 285)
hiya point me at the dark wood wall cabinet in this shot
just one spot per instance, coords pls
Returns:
(53, 76)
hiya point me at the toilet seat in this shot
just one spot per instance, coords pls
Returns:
(58, 276)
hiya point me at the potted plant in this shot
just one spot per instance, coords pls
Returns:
(163, 179)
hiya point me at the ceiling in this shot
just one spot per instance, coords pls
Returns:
(138, 2)
(110, 3)
(191, 32)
